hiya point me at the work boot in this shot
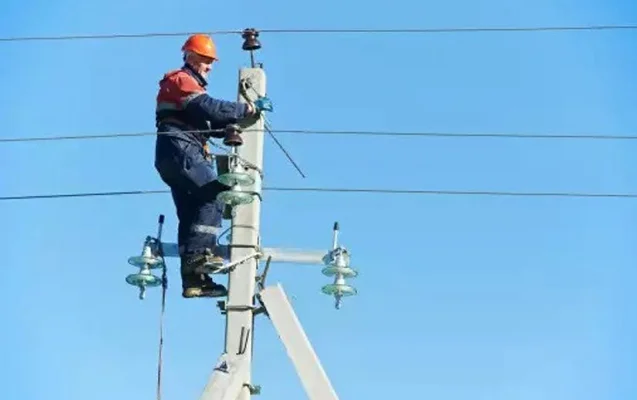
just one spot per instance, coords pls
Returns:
(202, 263)
(201, 285)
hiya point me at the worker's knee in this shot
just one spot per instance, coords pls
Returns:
(202, 230)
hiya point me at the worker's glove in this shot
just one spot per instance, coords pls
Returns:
(263, 104)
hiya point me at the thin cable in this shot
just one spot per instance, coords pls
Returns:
(455, 192)
(282, 148)
(121, 135)
(164, 288)
(76, 137)
(456, 135)
(222, 234)
(460, 30)
(110, 36)
(331, 31)
(85, 194)
(348, 190)
(346, 133)
(244, 86)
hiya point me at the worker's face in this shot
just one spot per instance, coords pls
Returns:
(203, 65)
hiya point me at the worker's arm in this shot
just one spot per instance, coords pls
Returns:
(196, 102)
(219, 112)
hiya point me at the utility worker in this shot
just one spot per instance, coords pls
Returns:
(184, 113)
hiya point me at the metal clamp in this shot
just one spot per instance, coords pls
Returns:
(225, 308)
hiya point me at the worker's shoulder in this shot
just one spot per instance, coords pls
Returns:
(174, 72)
(179, 75)
(182, 79)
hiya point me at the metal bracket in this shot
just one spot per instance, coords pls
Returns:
(225, 308)
(262, 309)
(229, 267)
(260, 279)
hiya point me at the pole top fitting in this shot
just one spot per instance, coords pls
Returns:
(250, 42)
(233, 135)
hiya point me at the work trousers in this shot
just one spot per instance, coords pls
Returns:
(192, 179)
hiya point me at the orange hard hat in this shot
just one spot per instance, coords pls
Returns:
(201, 44)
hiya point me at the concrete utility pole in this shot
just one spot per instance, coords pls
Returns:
(231, 378)
(245, 239)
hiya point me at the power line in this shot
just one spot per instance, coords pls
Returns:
(77, 137)
(345, 190)
(84, 194)
(347, 133)
(109, 36)
(331, 31)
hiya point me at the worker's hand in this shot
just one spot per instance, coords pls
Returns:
(263, 104)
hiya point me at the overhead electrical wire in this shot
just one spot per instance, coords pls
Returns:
(344, 132)
(344, 190)
(347, 133)
(559, 28)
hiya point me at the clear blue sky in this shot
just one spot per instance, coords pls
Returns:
(461, 298)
